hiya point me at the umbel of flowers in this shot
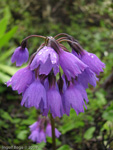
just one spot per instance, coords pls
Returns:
(55, 79)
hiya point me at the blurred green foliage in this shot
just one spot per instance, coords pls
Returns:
(5, 70)
(91, 24)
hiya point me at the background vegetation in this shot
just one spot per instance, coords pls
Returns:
(91, 23)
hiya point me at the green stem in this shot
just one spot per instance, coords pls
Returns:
(53, 132)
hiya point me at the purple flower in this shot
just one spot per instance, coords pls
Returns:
(42, 89)
(70, 64)
(34, 125)
(20, 56)
(38, 136)
(41, 129)
(34, 95)
(42, 136)
(34, 136)
(82, 90)
(49, 133)
(47, 58)
(21, 79)
(54, 103)
(73, 98)
(91, 60)
(86, 77)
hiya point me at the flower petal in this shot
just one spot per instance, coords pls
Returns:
(33, 95)
(20, 56)
(21, 79)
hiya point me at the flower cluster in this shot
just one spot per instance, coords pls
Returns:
(41, 129)
(55, 79)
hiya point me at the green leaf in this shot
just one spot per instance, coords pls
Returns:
(49, 140)
(27, 122)
(6, 54)
(108, 115)
(100, 99)
(4, 39)
(3, 26)
(16, 120)
(3, 77)
(8, 69)
(39, 146)
(108, 125)
(89, 133)
(65, 147)
(6, 116)
(22, 135)
(70, 124)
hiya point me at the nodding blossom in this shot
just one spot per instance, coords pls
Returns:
(20, 56)
(41, 129)
(55, 79)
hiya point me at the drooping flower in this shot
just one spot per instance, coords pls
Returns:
(72, 98)
(21, 79)
(41, 129)
(34, 95)
(91, 60)
(81, 89)
(49, 131)
(70, 64)
(86, 77)
(20, 56)
(54, 103)
(34, 125)
(37, 136)
(47, 58)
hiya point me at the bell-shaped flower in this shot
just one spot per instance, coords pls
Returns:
(20, 56)
(21, 79)
(91, 60)
(72, 98)
(49, 131)
(86, 77)
(82, 90)
(34, 125)
(38, 135)
(34, 95)
(54, 103)
(47, 58)
(41, 129)
(70, 64)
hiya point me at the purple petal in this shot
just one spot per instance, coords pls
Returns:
(42, 137)
(54, 103)
(21, 79)
(34, 136)
(70, 64)
(49, 133)
(91, 60)
(34, 126)
(34, 94)
(46, 67)
(73, 98)
(57, 133)
(20, 56)
(47, 58)
(86, 77)
(81, 90)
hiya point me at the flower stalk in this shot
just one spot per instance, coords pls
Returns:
(53, 132)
